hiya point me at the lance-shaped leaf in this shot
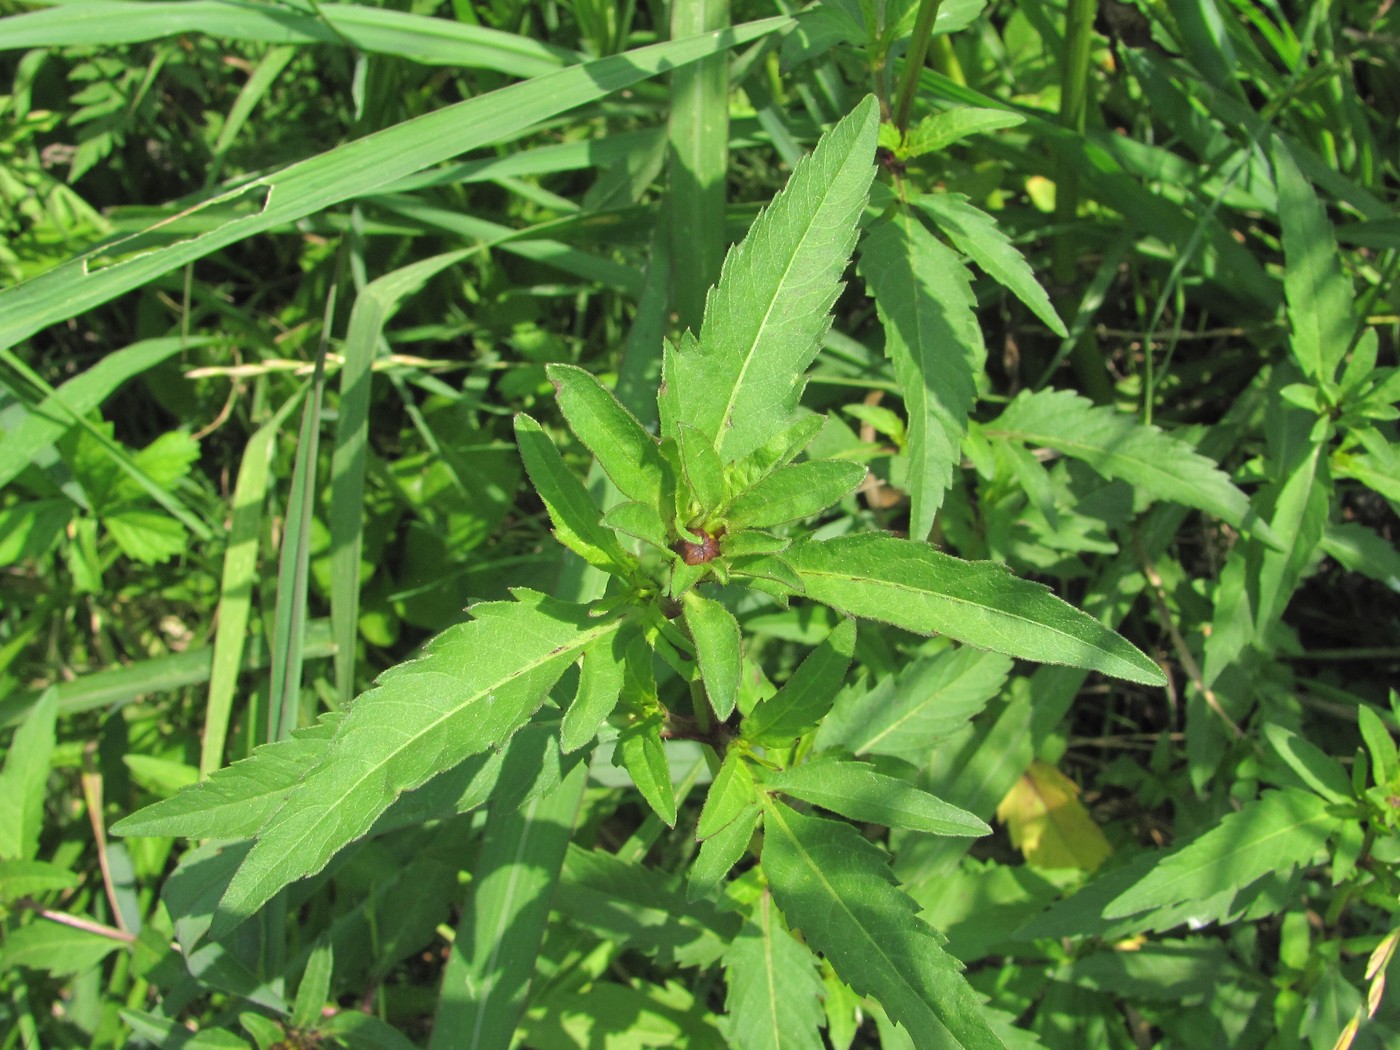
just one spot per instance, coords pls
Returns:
(730, 794)
(778, 451)
(639, 520)
(765, 319)
(640, 751)
(716, 635)
(913, 586)
(1278, 831)
(837, 888)
(625, 451)
(720, 852)
(807, 696)
(774, 994)
(599, 689)
(923, 293)
(700, 465)
(237, 800)
(794, 492)
(473, 687)
(976, 235)
(854, 789)
(1119, 446)
(577, 520)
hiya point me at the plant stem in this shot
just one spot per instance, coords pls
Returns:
(914, 62)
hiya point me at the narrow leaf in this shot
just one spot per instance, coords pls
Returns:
(730, 794)
(855, 790)
(774, 993)
(640, 751)
(765, 318)
(1275, 833)
(700, 464)
(720, 852)
(24, 782)
(472, 688)
(794, 492)
(599, 688)
(625, 451)
(1119, 446)
(807, 696)
(837, 888)
(924, 296)
(639, 520)
(716, 636)
(577, 519)
(913, 586)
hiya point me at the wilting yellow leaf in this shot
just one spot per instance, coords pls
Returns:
(1048, 823)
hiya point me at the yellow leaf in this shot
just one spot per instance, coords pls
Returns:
(1048, 823)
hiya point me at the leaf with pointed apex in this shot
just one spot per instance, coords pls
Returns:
(752, 541)
(837, 888)
(770, 567)
(234, 802)
(854, 789)
(923, 293)
(720, 852)
(625, 451)
(577, 520)
(639, 520)
(716, 635)
(1276, 832)
(778, 451)
(730, 793)
(599, 689)
(913, 586)
(807, 696)
(774, 993)
(794, 492)
(765, 319)
(641, 752)
(977, 235)
(1120, 446)
(700, 465)
(473, 687)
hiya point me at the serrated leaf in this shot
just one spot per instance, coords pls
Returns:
(640, 751)
(720, 852)
(1379, 745)
(938, 131)
(1048, 823)
(856, 790)
(794, 492)
(977, 235)
(774, 994)
(625, 451)
(923, 293)
(235, 801)
(577, 520)
(1321, 308)
(837, 888)
(1119, 446)
(717, 648)
(913, 586)
(146, 535)
(902, 715)
(765, 319)
(799, 706)
(1275, 833)
(473, 687)
(33, 878)
(24, 782)
(599, 689)
(731, 792)
(639, 520)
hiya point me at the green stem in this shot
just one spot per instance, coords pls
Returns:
(914, 62)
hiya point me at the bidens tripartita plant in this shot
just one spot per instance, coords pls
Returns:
(710, 512)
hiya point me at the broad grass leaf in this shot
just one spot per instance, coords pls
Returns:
(577, 520)
(765, 319)
(625, 451)
(913, 586)
(1048, 823)
(717, 648)
(474, 686)
(976, 235)
(1275, 833)
(805, 698)
(837, 888)
(923, 293)
(1120, 446)
(903, 715)
(774, 995)
(856, 790)
(793, 492)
